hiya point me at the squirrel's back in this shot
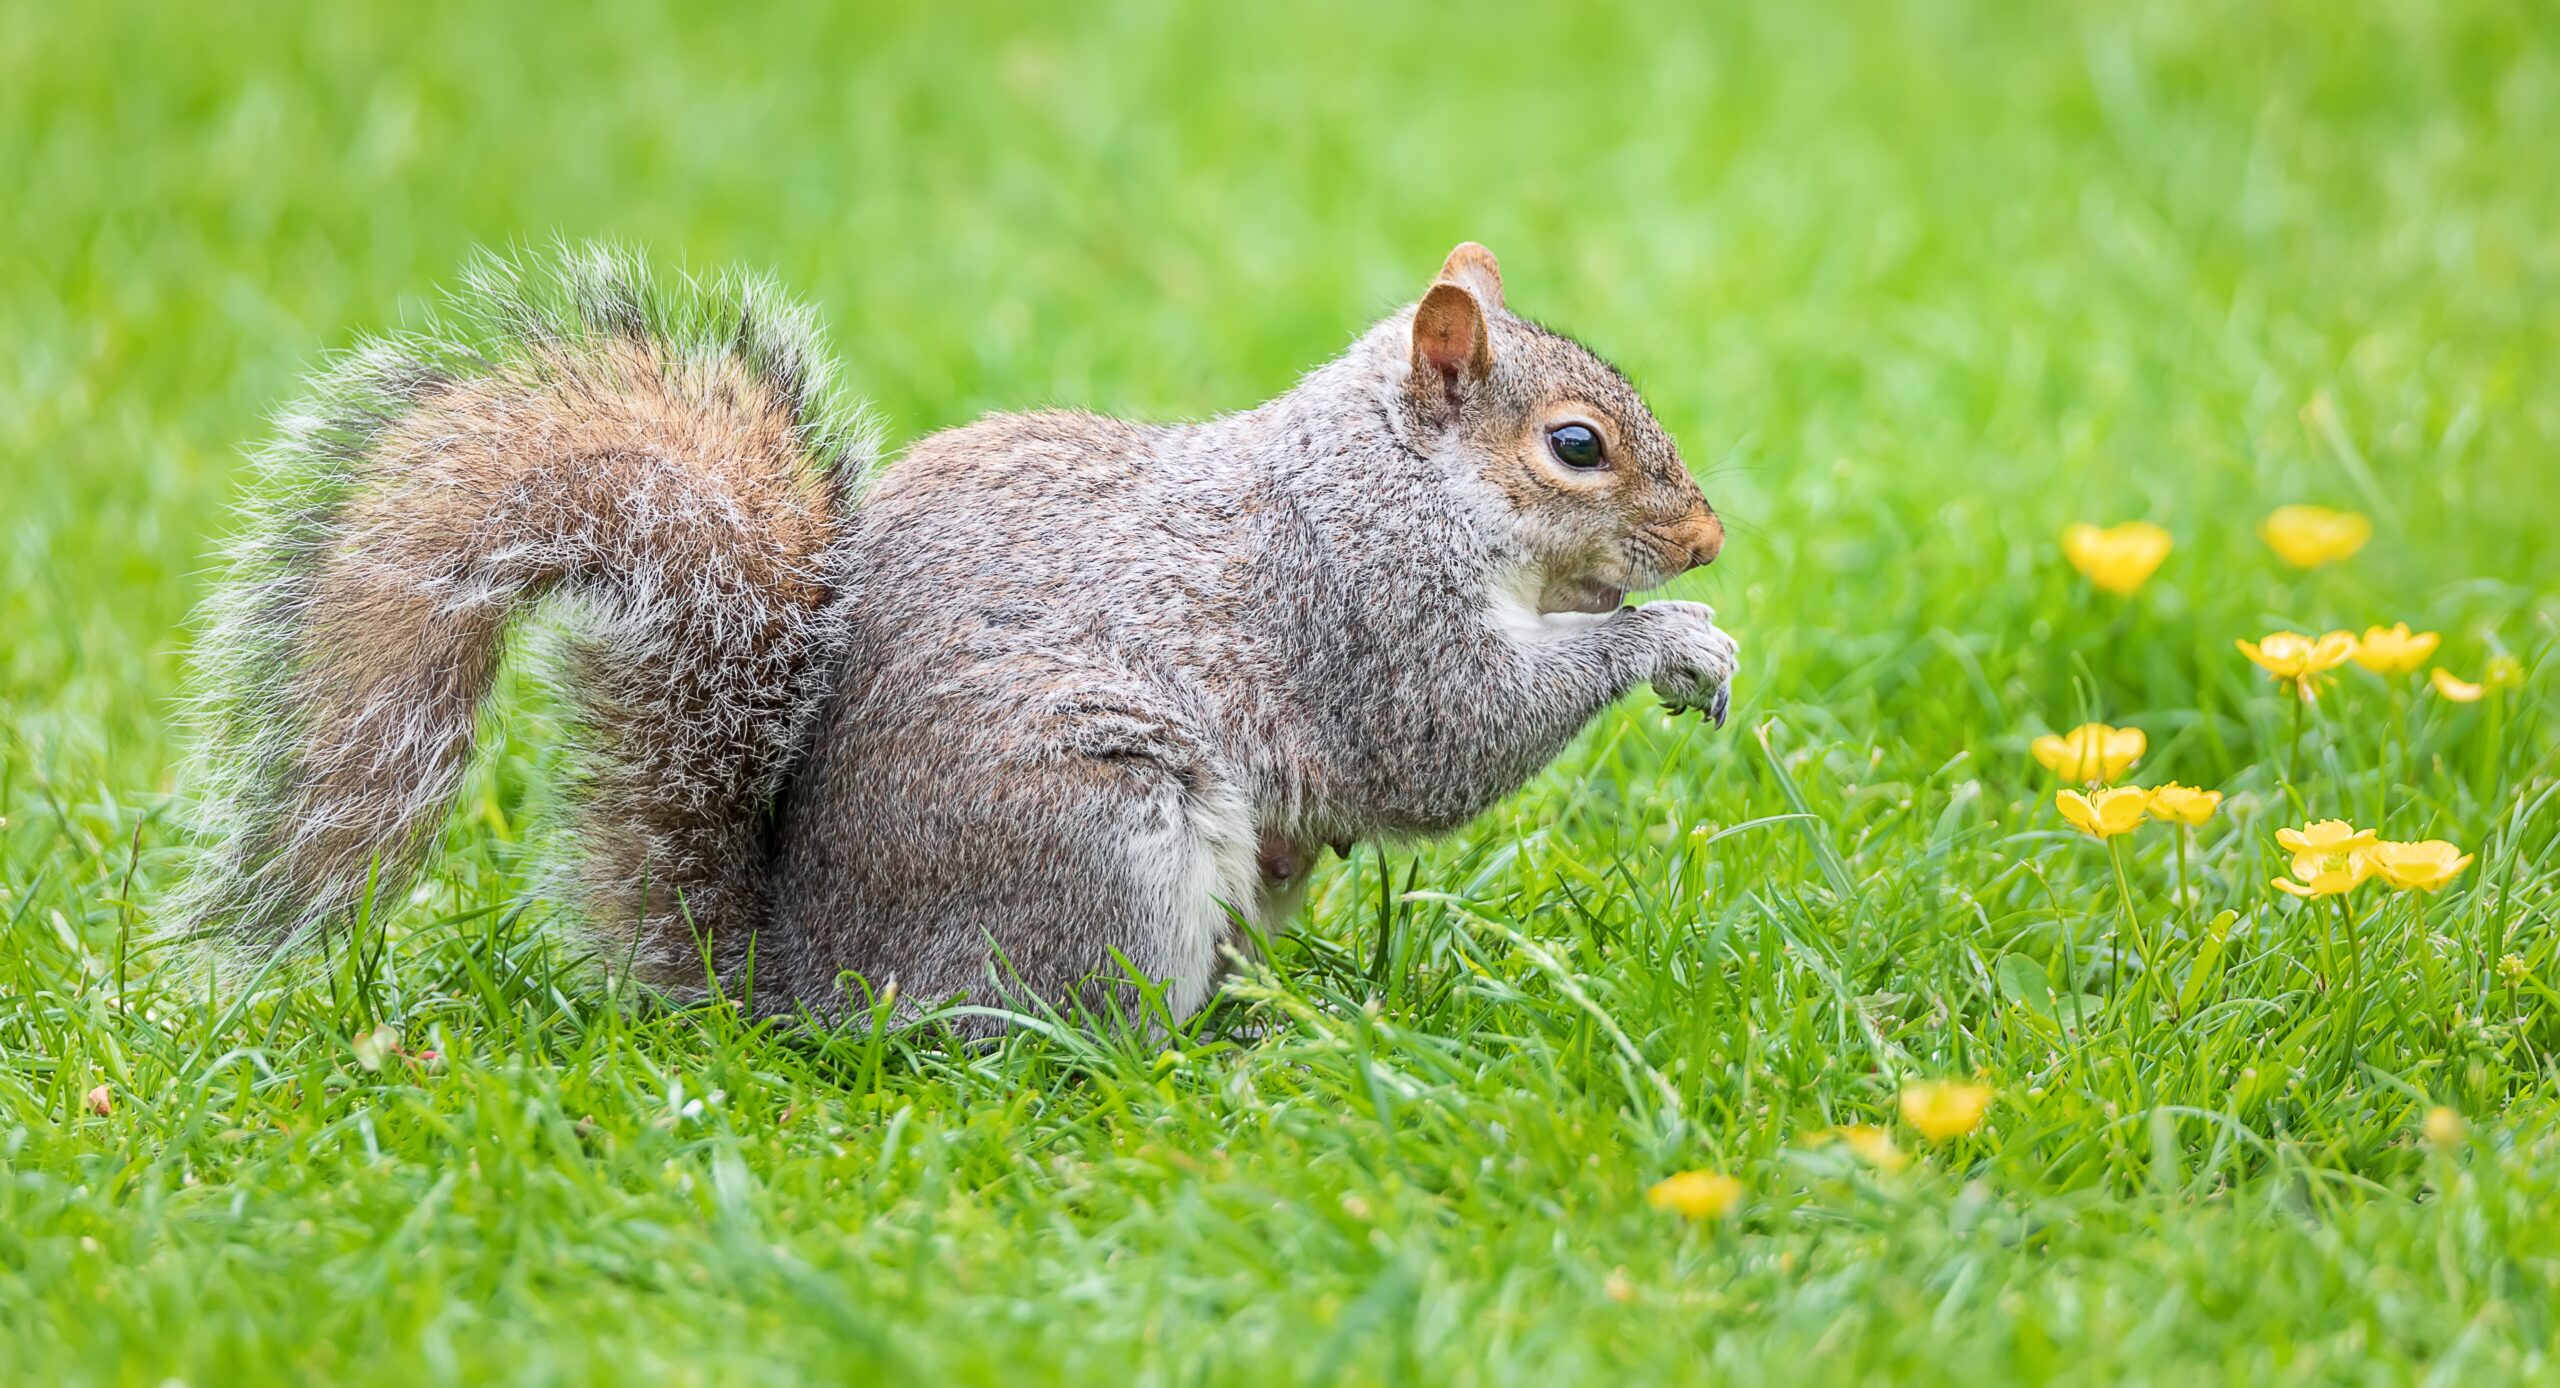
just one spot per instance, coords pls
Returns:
(1082, 528)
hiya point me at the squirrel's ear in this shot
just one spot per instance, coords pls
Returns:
(1473, 266)
(1451, 348)
(1450, 344)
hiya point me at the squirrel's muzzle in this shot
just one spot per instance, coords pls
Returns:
(1698, 535)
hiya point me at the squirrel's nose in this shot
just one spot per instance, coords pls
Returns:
(1699, 532)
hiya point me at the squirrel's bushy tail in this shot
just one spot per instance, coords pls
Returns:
(667, 464)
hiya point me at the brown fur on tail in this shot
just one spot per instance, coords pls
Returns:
(664, 471)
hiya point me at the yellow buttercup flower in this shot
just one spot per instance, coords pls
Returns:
(2443, 1127)
(2297, 661)
(2329, 857)
(2183, 804)
(1696, 1194)
(2454, 688)
(2118, 559)
(1941, 1109)
(2335, 880)
(2310, 536)
(2323, 837)
(2090, 752)
(2105, 813)
(1873, 1145)
(2416, 867)
(2394, 650)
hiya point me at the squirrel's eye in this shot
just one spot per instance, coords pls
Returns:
(1577, 446)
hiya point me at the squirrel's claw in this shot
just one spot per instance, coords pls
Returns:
(1713, 710)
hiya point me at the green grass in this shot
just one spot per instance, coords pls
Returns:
(1914, 285)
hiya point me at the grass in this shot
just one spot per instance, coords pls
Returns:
(1914, 285)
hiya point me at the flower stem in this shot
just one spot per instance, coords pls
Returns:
(2327, 971)
(2397, 731)
(2427, 961)
(2190, 915)
(2133, 926)
(2185, 832)
(2292, 751)
(2355, 976)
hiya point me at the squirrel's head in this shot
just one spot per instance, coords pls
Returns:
(1599, 498)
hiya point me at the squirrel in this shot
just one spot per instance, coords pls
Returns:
(1049, 700)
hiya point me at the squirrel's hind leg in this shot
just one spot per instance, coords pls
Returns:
(1011, 859)
(1188, 855)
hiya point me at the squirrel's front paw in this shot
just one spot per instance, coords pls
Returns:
(1696, 664)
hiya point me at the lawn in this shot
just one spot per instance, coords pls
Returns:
(1916, 287)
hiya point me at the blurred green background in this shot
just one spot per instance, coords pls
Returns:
(1914, 285)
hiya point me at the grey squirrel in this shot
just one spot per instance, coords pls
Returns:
(1048, 689)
